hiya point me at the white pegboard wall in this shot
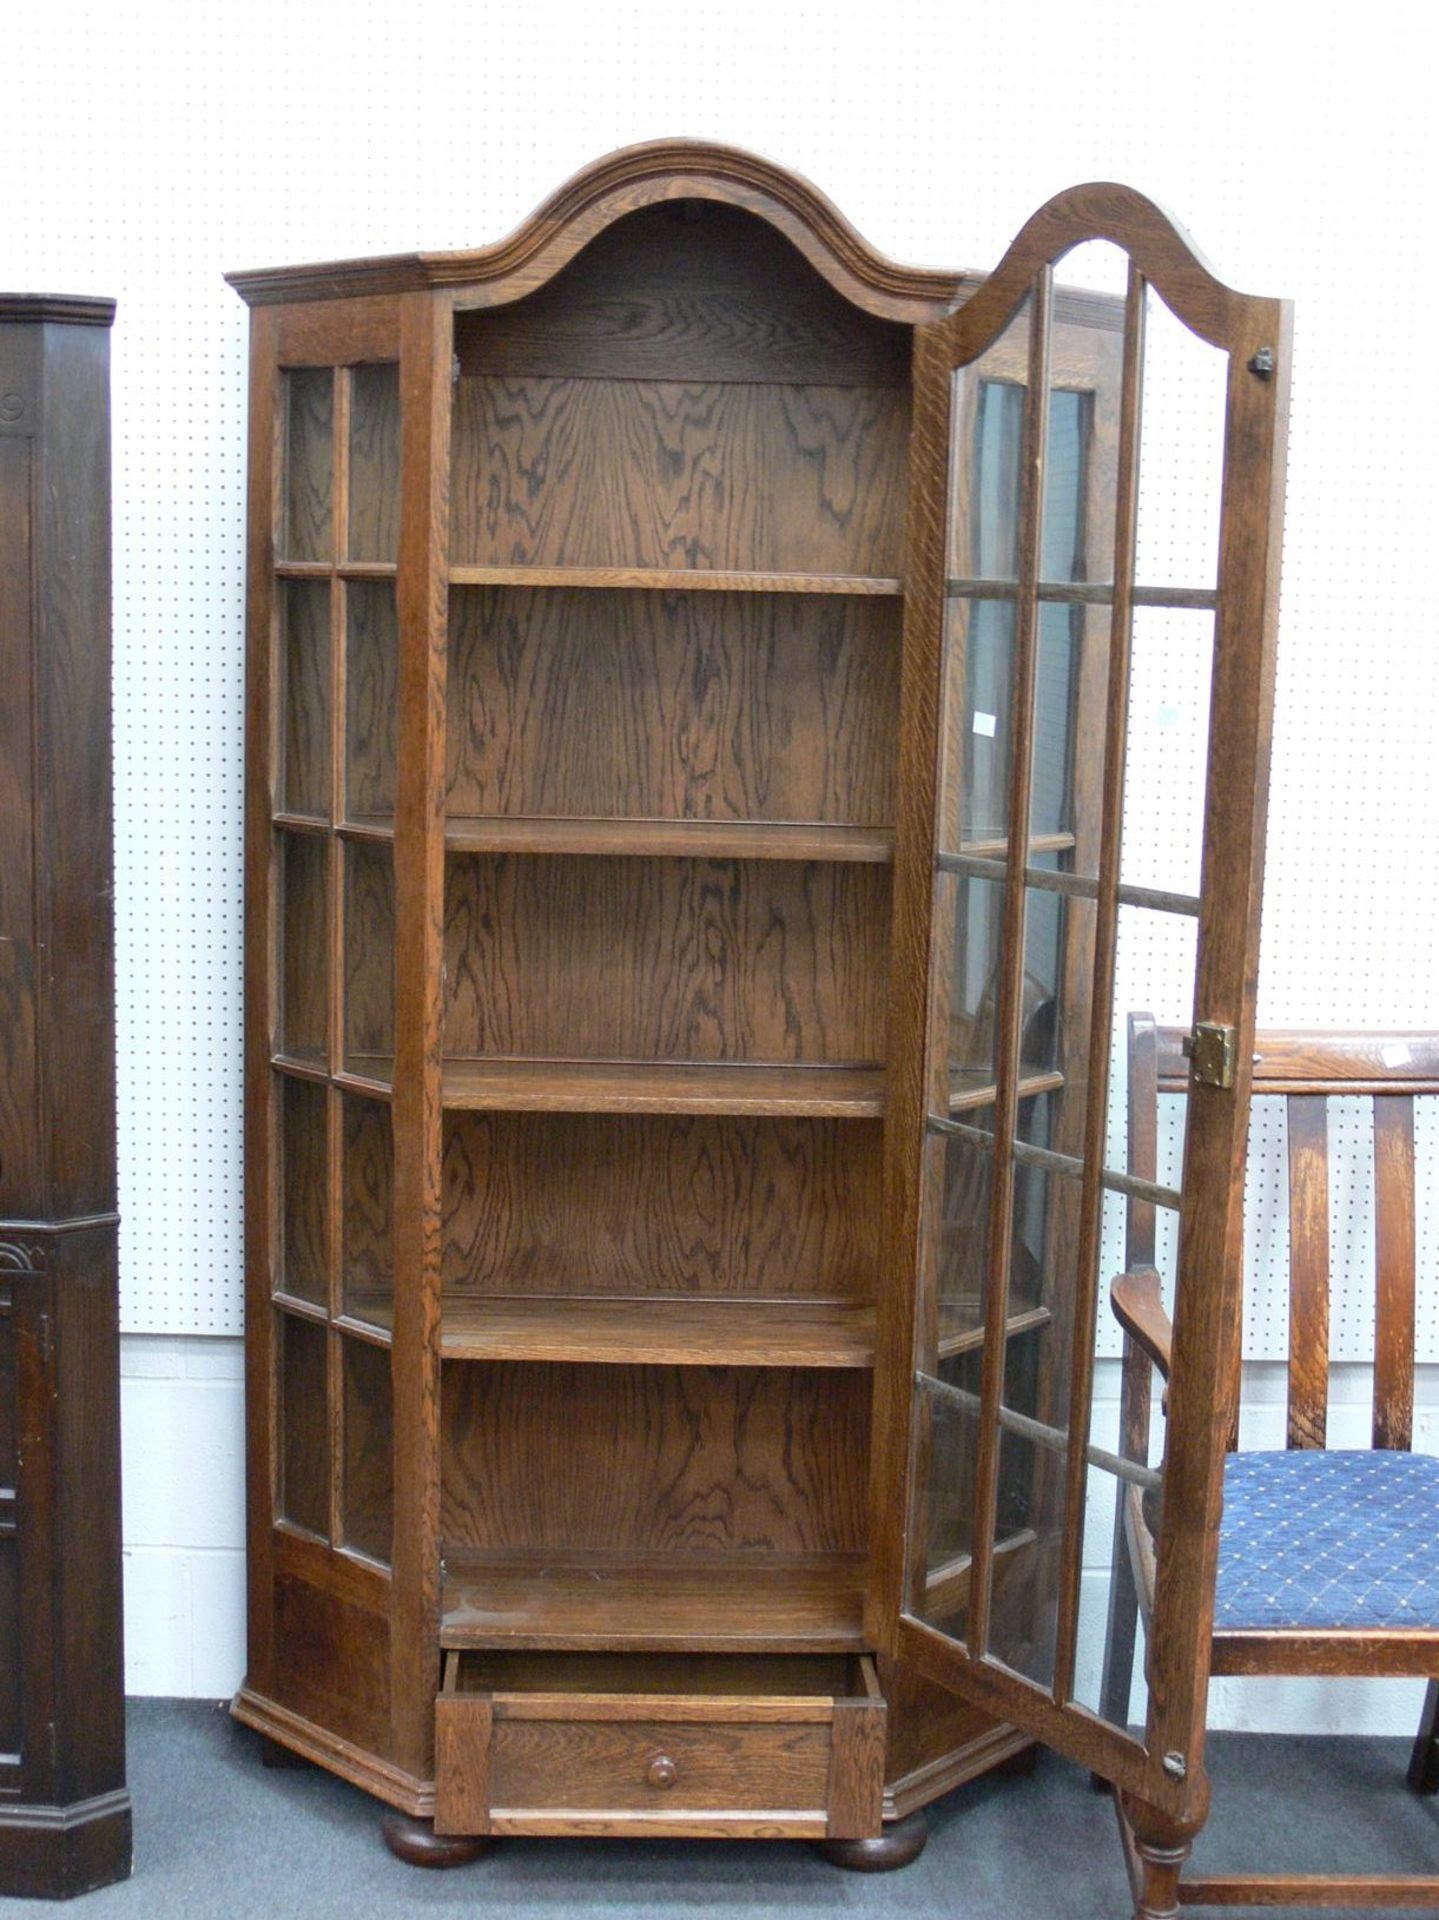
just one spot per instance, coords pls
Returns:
(148, 148)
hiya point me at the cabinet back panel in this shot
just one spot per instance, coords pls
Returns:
(712, 1460)
(666, 959)
(685, 706)
(655, 473)
(635, 1203)
(690, 290)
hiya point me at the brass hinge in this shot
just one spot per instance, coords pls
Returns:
(1211, 1051)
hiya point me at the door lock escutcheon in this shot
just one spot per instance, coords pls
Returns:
(1211, 1051)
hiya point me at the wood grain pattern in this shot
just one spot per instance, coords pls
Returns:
(367, 1206)
(304, 1161)
(12, 1739)
(750, 580)
(304, 937)
(371, 700)
(687, 291)
(1395, 1272)
(600, 1204)
(660, 1331)
(713, 1461)
(374, 518)
(463, 1730)
(368, 1485)
(331, 1647)
(20, 1139)
(855, 1791)
(305, 716)
(369, 951)
(748, 1603)
(668, 474)
(718, 1685)
(308, 471)
(304, 1448)
(640, 839)
(686, 706)
(669, 960)
(1308, 1149)
(568, 1086)
(617, 1764)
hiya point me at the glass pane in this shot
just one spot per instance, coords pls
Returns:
(309, 399)
(368, 1200)
(1167, 749)
(304, 1425)
(375, 463)
(1155, 956)
(305, 708)
(372, 700)
(1181, 453)
(368, 1511)
(304, 1184)
(978, 919)
(962, 1240)
(947, 1445)
(1109, 1669)
(369, 961)
(303, 920)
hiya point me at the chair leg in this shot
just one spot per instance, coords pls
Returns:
(1424, 1760)
(1160, 1848)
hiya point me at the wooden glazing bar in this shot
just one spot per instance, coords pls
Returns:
(1308, 1131)
(1087, 593)
(1036, 437)
(1074, 886)
(1394, 1263)
(1066, 1164)
(426, 328)
(1106, 934)
(1056, 1439)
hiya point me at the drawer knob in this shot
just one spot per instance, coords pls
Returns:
(662, 1771)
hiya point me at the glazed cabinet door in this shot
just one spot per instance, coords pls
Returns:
(1089, 661)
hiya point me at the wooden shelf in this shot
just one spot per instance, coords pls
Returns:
(738, 1331)
(701, 839)
(614, 1086)
(735, 1603)
(677, 580)
(959, 1332)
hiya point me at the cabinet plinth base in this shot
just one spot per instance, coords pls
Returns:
(418, 1845)
(54, 1853)
(901, 1842)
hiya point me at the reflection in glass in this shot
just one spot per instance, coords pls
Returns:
(308, 487)
(374, 531)
(303, 920)
(978, 910)
(304, 1162)
(372, 699)
(368, 1510)
(369, 960)
(304, 1451)
(369, 1174)
(947, 1443)
(305, 700)
(963, 1237)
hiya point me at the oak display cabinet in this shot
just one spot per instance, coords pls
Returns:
(64, 1806)
(653, 640)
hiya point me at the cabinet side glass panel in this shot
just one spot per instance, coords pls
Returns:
(304, 1449)
(374, 516)
(308, 476)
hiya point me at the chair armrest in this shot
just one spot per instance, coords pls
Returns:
(1135, 1299)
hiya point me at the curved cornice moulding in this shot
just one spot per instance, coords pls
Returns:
(621, 183)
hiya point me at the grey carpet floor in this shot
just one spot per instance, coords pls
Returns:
(217, 1834)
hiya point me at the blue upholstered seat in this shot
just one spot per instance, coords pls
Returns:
(1313, 1540)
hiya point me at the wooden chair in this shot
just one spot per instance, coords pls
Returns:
(1329, 1561)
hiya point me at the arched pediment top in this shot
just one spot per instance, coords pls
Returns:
(623, 183)
(1155, 241)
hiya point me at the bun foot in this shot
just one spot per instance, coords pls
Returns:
(418, 1845)
(901, 1842)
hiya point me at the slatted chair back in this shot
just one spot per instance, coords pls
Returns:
(1392, 1070)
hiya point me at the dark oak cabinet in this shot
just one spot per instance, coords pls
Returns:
(689, 870)
(64, 1808)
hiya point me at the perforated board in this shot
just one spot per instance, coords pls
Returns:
(146, 148)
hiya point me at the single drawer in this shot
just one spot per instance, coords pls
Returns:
(595, 1743)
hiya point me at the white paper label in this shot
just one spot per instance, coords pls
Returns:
(1396, 1054)
(985, 724)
